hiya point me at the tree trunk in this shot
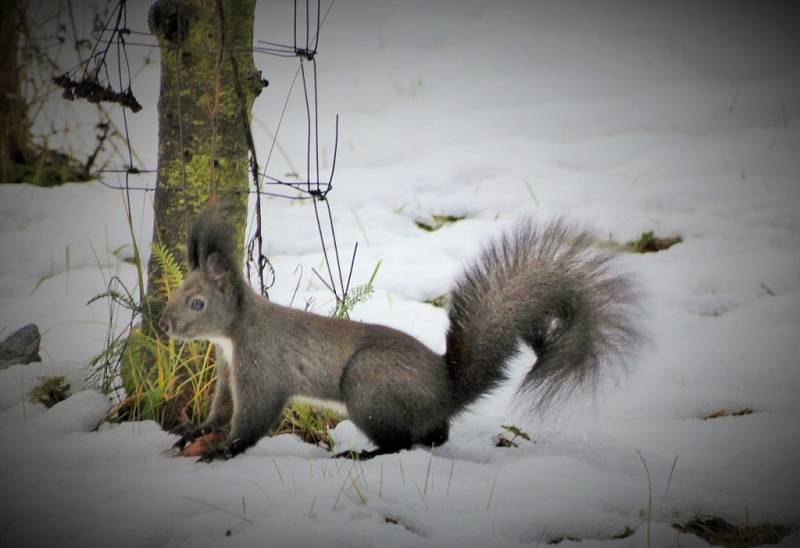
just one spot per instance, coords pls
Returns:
(202, 151)
(14, 130)
(202, 156)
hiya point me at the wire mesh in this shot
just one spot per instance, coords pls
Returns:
(91, 79)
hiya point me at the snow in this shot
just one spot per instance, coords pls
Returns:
(624, 115)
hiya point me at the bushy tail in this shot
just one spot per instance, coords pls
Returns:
(546, 286)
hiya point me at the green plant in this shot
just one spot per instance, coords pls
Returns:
(438, 221)
(170, 270)
(50, 391)
(357, 295)
(442, 301)
(103, 367)
(515, 432)
(625, 533)
(311, 423)
(177, 384)
(648, 242)
(164, 380)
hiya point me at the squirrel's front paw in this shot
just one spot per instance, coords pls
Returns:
(230, 450)
(189, 436)
(213, 454)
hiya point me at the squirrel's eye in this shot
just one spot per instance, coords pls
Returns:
(197, 304)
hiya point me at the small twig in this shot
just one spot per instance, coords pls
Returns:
(450, 477)
(421, 496)
(649, 496)
(428, 470)
(311, 508)
(296, 287)
(341, 490)
(671, 470)
(380, 483)
(280, 476)
(22, 393)
(491, 494)
(530, 191)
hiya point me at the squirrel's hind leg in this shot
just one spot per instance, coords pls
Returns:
(435, 438)
(398, 398)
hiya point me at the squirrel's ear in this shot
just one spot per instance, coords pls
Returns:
(193, 254)
(216, 270)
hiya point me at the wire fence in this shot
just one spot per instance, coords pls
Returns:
(92, 80)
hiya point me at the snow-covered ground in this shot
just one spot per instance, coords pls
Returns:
(631, 116)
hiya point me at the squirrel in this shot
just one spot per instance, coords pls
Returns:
(543, 284)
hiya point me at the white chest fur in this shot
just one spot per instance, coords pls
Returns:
(225, 347)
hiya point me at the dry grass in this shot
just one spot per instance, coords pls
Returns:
(435, 222)
(311, 424)
(719, 413)
(648, 242)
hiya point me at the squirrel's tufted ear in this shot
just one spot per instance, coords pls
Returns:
(193, 251)
(209, 234)
(217, 271)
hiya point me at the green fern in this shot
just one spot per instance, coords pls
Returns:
(355, 296)
(171, 274)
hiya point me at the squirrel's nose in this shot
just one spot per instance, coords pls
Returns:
(165, 324)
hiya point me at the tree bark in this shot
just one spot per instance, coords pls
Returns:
(14, 129)
(202, 151)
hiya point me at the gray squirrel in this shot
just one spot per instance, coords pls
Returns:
(544, 285)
